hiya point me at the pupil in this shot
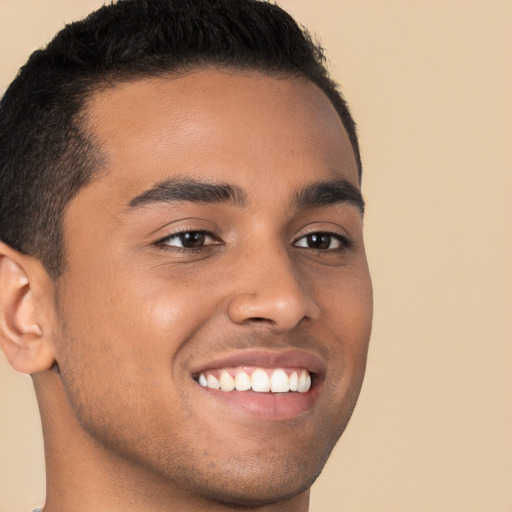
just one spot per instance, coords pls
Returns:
(319, 241)
(192, 239)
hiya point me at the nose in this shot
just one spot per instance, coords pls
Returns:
(272, 292)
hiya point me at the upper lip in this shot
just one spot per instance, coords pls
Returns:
(295, 358)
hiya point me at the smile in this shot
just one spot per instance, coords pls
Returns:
(261, 384)
(260, 380)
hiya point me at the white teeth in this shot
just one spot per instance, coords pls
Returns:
(242, 381)
(279, 382)
(202, 380)
(227, 383)
(213, 382)
(304, 382)
(294, 381)
(260, 381)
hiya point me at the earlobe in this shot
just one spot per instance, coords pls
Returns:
(22, 337)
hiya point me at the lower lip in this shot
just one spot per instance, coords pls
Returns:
(269, 406)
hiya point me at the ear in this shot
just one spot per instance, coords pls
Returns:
(22, 323)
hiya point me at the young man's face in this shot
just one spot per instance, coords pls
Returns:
(223, 237)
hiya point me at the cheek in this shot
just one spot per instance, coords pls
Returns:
(347, 303)
(346, 298)
(131, 307)
(115, 353)
(356, 311)
(128, 333)
(358, 315)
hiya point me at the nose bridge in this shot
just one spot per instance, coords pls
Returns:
(269, 288)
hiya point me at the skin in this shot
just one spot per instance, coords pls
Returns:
(114, 343)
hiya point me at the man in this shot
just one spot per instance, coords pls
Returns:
(182, 266)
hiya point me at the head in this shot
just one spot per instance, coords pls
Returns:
(181, 210)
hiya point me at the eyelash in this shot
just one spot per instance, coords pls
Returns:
(345, 243)
(165, 246)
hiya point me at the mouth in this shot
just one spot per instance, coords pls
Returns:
(265, 384)
(259, 380)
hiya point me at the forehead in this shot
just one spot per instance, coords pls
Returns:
(234, 126)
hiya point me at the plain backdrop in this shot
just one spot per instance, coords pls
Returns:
(430, 85)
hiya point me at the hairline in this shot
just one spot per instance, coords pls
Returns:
(112, 81)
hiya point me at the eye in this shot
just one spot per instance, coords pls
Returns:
(322, 242)
(189, 240)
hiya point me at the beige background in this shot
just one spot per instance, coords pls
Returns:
(430, 84)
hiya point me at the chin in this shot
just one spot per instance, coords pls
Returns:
(256, 491)
(256, 480)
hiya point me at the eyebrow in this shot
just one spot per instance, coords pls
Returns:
(329, 192)
(317, 194)
(189, 190)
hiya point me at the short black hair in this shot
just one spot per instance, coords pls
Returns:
(46, 154)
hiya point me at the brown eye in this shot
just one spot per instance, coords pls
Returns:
(188, 240)
(192, 239)
(319, 241)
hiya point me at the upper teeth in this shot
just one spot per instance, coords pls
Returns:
(258, 379)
